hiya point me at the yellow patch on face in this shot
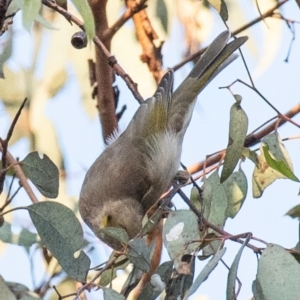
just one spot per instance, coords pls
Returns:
(107, 221)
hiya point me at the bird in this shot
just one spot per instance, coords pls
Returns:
(134, 170)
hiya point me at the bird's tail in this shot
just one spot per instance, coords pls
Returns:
(217, 57)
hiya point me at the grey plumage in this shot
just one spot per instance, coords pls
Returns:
(132, 173)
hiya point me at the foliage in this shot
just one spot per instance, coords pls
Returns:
(190, 235)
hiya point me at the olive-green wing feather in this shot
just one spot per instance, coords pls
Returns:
(152, 115)
(217, 56)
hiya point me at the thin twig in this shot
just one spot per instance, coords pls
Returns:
(8, 200)
(251, 140)
(151, 54)
(5, 144)
(212, 226)
(265, 99)
(20, 174)
(110, 58)
(130, 11)
(267, 14)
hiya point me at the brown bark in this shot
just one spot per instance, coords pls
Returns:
(146, 35)
(104, 73)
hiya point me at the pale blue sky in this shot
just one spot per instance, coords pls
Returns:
(208, 133)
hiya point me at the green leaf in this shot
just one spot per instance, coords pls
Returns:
(110, 274)
(238, 98)
(217, 210)
(179, 284)
(279, 166)
(85, 11)
(110, 294)
(10, 171)
(24, 238)
(42, 172)
(5, 53)
(207, 196)
(251, 155)
(278, 275)
(115, 237)
(12, 9)
(294, 212)
(195, 198)
(139, 254)
(263, 174)
(22, 292)
(62, 234)
(205, 273)
(150, 223)
(221, 8)
(158, 282)
(232, 275)
(132, 279)
(236, 187)
(180, 228)
(162, 13)
(30, 9)
(45, 23)
(5, 291)
(238, 126)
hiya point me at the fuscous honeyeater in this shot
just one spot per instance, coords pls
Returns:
(138, 167)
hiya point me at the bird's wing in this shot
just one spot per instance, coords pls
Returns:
(217, 56)
(151, 117)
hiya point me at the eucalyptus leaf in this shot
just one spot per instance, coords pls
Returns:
(278, 275)
(221, 8)
(115, 237)
(179, 284)
(158, 282)
(195, 198)
(294, 212)
(42, 172)
(209, 267)
(251, 155)
(44, 22)
(236, 187)
(110, 294)
(5, 54)
(217, 212)
(62, 234)
(24, 238)
(30, 9)
(232, 275)
(181, 227)
(150, 223)
(22, 292)
(139, 254)
(132, 280)
(5, 292)
(238, 126)
(110, 274)
(263, 174)
(85, 11)
(162, 13)
(279, 166)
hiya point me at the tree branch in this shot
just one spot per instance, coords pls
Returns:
(110, 58)
(251, 140)
(146, 35)
(130, 11)
(267, 14)
(20, 174)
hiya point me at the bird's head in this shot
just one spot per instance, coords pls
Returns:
(126, 214)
